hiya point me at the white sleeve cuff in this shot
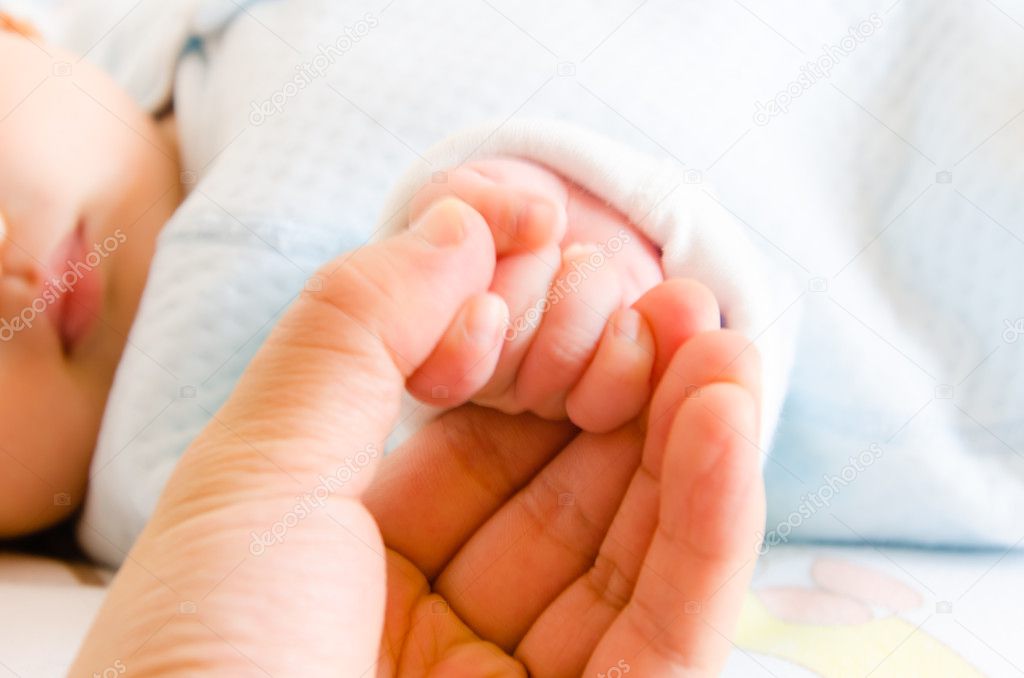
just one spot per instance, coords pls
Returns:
(699, 238)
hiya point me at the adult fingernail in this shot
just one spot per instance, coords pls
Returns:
(443, 225)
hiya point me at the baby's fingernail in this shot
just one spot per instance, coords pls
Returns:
(578, 251)
(485, 319)
(443, 224)
(536, 224)
(627, 324)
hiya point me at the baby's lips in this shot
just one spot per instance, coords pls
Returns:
(76, 288)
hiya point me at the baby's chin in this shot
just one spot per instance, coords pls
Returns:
(27, 510)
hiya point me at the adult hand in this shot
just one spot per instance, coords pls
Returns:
(490, 544)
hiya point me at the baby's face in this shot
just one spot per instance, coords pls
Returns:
(86, 182)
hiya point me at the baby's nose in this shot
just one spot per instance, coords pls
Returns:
(14, 261)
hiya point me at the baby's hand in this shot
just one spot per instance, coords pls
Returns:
(570, 270)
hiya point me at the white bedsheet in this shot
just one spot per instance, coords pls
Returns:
(833, 612)
(889, 189)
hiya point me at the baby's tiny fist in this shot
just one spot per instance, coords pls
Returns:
(524, 204)
(569, 266)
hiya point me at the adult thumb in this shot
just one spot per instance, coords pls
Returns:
(260, 557)
(331, 375)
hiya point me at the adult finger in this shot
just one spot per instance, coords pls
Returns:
(203, 590)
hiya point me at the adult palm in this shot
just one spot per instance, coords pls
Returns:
(488, 543)
(521, 546)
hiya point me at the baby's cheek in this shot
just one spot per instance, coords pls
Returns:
(47, 433)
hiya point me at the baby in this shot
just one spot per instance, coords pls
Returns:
(78, 184)
(88, 180)
(887, 263)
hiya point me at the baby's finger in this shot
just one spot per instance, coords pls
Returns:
(669, 314)
(582, 298)
(465, 358)
(617, 384)
(676, 310)
(523, 204)
(522, 280)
